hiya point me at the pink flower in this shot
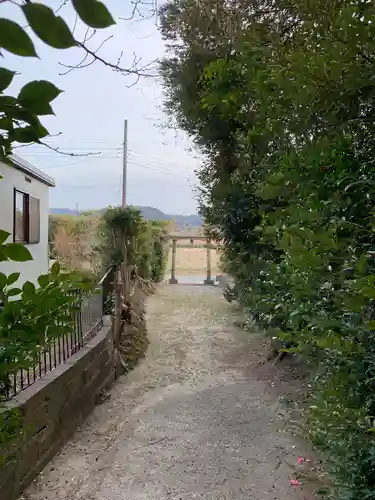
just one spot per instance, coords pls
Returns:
(294, 482)
(300, 460)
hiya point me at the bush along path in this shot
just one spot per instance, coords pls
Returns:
(199, 417)
(278, 96)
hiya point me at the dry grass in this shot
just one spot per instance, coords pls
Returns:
(74, 241)
(192, 261)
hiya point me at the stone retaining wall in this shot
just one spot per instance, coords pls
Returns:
(52, 408)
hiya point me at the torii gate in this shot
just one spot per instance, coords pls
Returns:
(208, 245)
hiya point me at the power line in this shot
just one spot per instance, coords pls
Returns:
(154, 163)
(113, 152)
(67, 140)
(157, 169)
(161, 161)
(75, 148)
(94, 186)
(86, 160)
(106, 151)
(150, 166)
(70, 164)
(81, 151)
(98, 186)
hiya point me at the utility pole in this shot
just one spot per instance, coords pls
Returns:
(124, 163)
(77, 209)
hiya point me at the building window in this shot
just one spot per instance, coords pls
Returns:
(26, 218)
(20, 216)
(34, 220)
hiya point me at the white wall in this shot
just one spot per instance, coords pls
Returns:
(13, 178)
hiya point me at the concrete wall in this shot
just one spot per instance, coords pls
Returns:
(53, 407)
(14, 178)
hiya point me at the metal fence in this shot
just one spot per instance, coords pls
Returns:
(87, 322)
(107, 284)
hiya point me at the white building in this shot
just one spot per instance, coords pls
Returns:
(24, 208)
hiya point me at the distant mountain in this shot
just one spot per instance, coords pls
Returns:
(193, 220)
(149, 213)
(62, 211)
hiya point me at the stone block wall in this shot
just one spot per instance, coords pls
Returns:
(52, 408)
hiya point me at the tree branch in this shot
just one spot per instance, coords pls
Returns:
(82, 63)
(56, 149)
(91, 56)
(137, 4)
(65, 2)
(65, 153)
(115, 67)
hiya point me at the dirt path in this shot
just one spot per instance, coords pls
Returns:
(194, 420)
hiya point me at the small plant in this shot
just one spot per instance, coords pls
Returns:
(31, 318)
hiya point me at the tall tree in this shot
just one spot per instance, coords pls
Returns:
(279, 96)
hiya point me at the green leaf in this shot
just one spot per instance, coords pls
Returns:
(3, 236)
(3, 255)
(28, 289)
(6, 77)
(13, 292)
(43, 280)
(43, 108)
(6, 101)
(14, 39)
(6, 123)
(24, 134)
(12, 278)
(29, 133)
(55, 269)
(19, 114)
(52, 29)
(3, 281)
(94, 13)
(42, 131)
(17, 252)
(36, 94)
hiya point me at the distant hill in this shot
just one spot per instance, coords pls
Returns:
(62, 211)
(149, 213)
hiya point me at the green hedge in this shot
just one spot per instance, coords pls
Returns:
(145, 242)
(281, 101)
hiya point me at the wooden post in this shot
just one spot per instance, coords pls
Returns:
(173, 280)
(118, 309)
(208, 280)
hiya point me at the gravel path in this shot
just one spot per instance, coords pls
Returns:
(193, 420)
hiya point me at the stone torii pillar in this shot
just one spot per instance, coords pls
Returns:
(173, 280)
(208, 280)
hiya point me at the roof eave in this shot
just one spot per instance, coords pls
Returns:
(29, 169)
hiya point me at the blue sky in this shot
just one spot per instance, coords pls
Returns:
(90, 116)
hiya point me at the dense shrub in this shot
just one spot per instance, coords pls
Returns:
(142, 242)
(279, 96)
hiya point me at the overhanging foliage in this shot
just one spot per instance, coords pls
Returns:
(279, 96)
(41, 313)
